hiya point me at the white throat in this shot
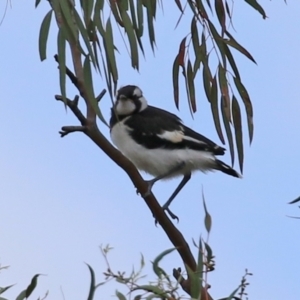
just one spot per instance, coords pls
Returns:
(126, 107)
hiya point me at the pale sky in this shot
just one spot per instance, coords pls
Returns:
(62, 198)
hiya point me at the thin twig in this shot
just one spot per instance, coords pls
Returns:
(69, 129)
(100, 96)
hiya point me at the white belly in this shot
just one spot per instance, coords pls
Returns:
(159, 161)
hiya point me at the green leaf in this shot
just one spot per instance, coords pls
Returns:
(257, 7)
(61, 51)
(178, 3)
(233, 43)
(224, 90)
(156, 268)
(231, 296)
(32, 285)
(2, 290)
(237, 122)
(22, 295)
(132, 40)
(202, 9)
(207, 78)
(199, 270)
(207, 218)
(66, 13)
(87, 7)
(88, 81)
(110, 52)
(92, 284)
(43, 36)
(209, 253)
(194, 282)
(175, 81)
(248, 106)
(97, 18)
(219, 7)
(227, 128)
(114, 9)
(135, 26)
(214, 108)
(151, 288)
(84, 34)
(98, 6)
(231, 60)
(191, 86)
(140, 17)
(120, 296)
(195, 36)
(150, 18)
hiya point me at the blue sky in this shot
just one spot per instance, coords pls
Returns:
(62, 198)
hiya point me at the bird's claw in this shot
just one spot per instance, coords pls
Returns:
(172, 215)
(149, 189)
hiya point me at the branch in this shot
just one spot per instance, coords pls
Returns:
(69, 129)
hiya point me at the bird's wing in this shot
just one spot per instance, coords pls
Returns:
(157, 128)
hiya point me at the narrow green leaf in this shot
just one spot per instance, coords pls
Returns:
(155, 265)
(233, 43)
(140, 17)
(150, 18)
(201, 9)
(22, 295)
(209, 5)
(87, 7)
(219, 7)
(231, 296)
(207, 79)
(132, 40)
(122, 5)
(195, 36)
(191, 86)
(32, 285)
(224, 90)
(227, 128)
(181, 52)
(195, 283)
(192, 7)
(142, 261)
(199, 270)
(228, 10)
(110, 52)
(248, 106)
(114, 9)
(151, 288)
(237, 122)
(214, 108)
(2, 290)
(88, 81)
(97, 18)
(1, 298)
(98, 6)
(207, 218)
(175, 81)
(66, 12)
(135, 26)
(61, 51)
(92, 284)
(257, 7)
(231, 61)
(209, 253)
(120, 296)
(43, 36)
(85, 36)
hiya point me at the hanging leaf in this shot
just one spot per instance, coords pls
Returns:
(231, 61)
(214, 108)
(178, 3)
(43, 36)
(237, 122)
(61, 51)
(224, 90)
(181, 52)
(233, 43)
(175, 81)
(227, 128)
(248, 106)
(219, 7)
(257, 7)
(207, 218)
(191, 86)
(92, 284)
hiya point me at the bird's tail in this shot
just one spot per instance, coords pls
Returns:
(227, 169)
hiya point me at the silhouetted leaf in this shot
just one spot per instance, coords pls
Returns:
(175, 81)
(140, 17)
(209, 5)
(151, 288)
(209, 253)
(22, 295)
(194, 33)
(32, 285)
(66, 13)
(248, 106)
(132, 41)
(61, 51)
(114, 9)
(227, 128)
(207, 79)
(37, 2)
(214, 108)
(219, 7)
(178, 3)
(294, 201)
(43, 36)
(237, 122)
(257, 7)
(181, 52)
(150, 18)
(202, 10)
(92, 284)
(231, 60)
(4, 289)
(224, 90)
(190, 80)
(87, 7)
(207, 218)
(233, 43)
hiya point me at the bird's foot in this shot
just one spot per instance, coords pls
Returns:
(149, 189)
(172, 215)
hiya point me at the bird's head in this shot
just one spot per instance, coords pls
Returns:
(129, 100)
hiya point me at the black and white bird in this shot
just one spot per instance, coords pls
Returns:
(158, 143)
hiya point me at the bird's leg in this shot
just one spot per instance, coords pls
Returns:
(157, 178)
(183, 182)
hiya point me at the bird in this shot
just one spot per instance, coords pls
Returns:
(158, 143)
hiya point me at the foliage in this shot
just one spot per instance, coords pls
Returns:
(95, 29)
